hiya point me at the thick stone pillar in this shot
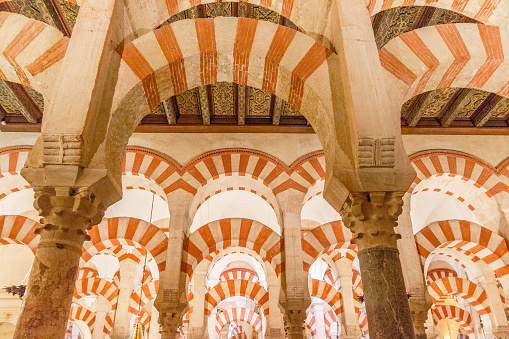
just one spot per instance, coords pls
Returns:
(66, 216)
(154, 324)
(349, 322)
(372, 218)
(297, 299)
(501, 330)
(102, 309)
(171, 300)
(197, 321)
(419, 301)
(122, 322)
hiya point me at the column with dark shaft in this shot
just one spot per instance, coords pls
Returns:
(372, 218)
(66, 216)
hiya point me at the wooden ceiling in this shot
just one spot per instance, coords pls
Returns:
(228, 104)
(60, 14)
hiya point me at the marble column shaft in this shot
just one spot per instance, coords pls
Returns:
(372, 218)
(122, 322)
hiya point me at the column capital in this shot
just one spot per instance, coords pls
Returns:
(67, 213)
(294, 322)
(372, 216)
(170, 322)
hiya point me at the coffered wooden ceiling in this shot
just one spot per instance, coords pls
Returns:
(228, 104)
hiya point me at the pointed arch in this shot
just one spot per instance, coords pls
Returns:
(461, 288)
(235, 232)
(17, 229)
(237, 287)
(127, 231)
(467, 236)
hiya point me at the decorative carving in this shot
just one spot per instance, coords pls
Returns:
(294, 321)
(170, 322)
(67, 213)
(372, 218)
(62, 149)
(376, 152)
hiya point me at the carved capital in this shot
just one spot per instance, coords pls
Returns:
(170, 323)
(294, 321)
(372, 216)
(66, 214)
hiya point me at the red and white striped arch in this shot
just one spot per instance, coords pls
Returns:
(328, 293)
(453, 313)
(329, 319)
(30, 52)
(80, 313)
(12, 160)
(310, 322)
(437, 162)
(146, 293)
(271, 57)
(466, 236)
(86, 272)
(228, 233)
(126, 231)
(452, 55)
(239, 314)
(438, 274)
(363, 320)
(461, 288)
(486, 11)
(323, 237)
(96, 286)
(237, 287)
(239, 273)
(17, 229)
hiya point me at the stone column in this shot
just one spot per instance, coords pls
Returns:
(66, 216)
(171, 300)
(349, 322)
(197, 321)
(122, 322)
(154, 324)
(319, 321)
(501, 330)
(102, 309)
(419, 301)
(297, 299)
(372, 218)
(274, 320)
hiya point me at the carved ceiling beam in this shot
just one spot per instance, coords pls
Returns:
(204, 104)
(485, 111)
(454, 108)
(169, 110)
(278, 108)
(22, 101)
(242, 104)
(58, 18)
(415, 111)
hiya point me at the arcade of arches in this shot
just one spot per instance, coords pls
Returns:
(254, 169)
